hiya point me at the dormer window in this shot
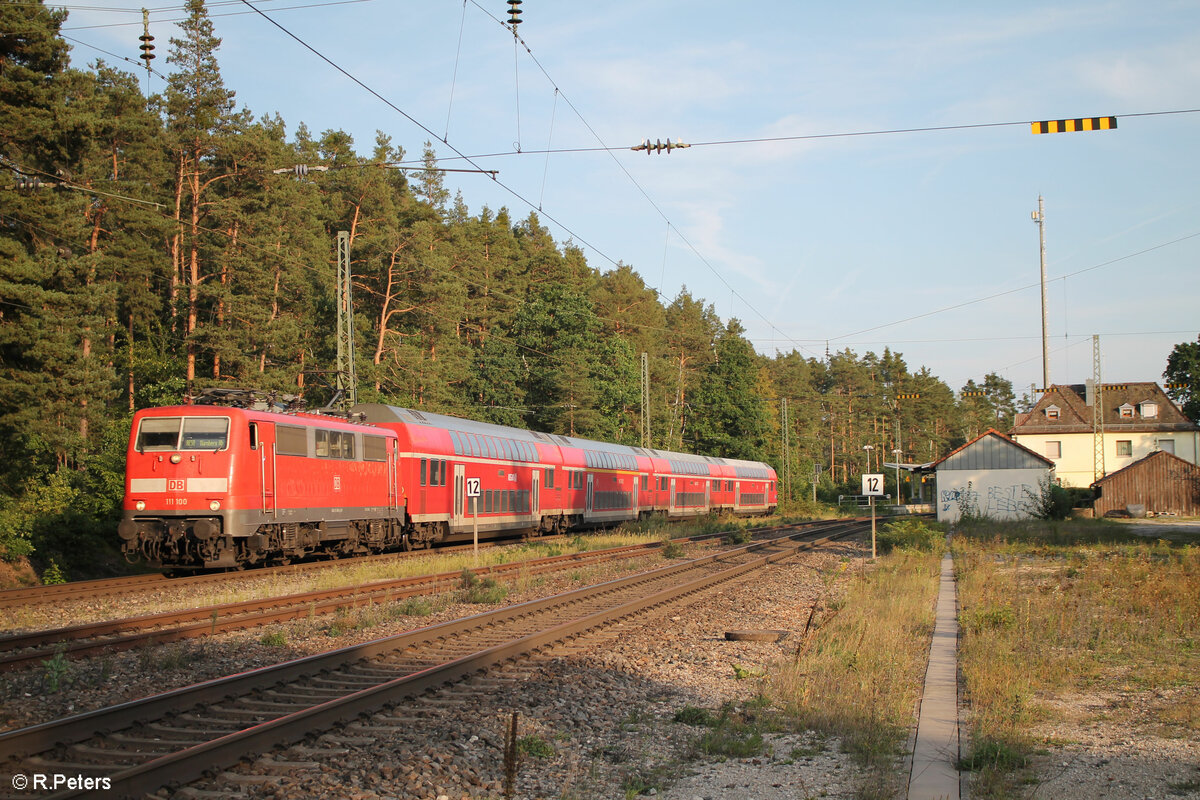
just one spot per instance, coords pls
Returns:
(1126, 411)
(1148, 410)
(1052, 412)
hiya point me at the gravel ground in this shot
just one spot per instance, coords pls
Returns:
(1120, 746)
(602, 708)
(597, 717)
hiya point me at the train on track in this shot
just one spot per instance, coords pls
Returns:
(212, 486)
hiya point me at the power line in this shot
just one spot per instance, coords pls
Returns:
(1018, 289)
(162, 9)
(817, 136)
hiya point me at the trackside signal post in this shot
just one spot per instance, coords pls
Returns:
(473, 493)
(872, 487)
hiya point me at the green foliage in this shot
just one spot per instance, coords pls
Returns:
(414, 607)
(741, 673)
(911, 534)
(671, 549)
(55, 670)
(534, 746)
(274, 639)
(1183, 370)
(739, 536)
(1051, 502)
(473, 589)
(691, 715)
(53, 574)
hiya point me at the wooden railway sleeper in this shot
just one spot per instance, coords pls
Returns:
(112, 754)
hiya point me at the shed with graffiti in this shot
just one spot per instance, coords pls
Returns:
(990, 476)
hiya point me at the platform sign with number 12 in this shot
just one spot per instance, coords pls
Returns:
(872, 487)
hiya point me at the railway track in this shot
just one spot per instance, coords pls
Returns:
(154, 582)
(179, 735)
(35, 647)
(25, 649)
(104, 587)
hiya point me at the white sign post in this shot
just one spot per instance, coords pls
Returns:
(473, 493)
(872, 487)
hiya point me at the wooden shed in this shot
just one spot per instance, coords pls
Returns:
(1162, 482)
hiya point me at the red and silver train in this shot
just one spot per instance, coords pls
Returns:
(214, 487)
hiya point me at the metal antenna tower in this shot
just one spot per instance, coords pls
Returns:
(645, 400)
(347, 379)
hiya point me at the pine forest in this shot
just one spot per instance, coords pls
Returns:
(154, 247)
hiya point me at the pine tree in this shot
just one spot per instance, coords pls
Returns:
(199, 115)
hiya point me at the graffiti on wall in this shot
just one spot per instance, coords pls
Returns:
(1001, 501)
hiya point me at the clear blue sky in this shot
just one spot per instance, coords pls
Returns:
(863, 241)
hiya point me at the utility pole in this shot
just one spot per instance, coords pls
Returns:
(787, 454)
(1097, 413)
(645, 400)
(347, 380)
(1039, 217)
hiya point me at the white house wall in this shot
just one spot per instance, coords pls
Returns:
(993, 493)
(1075, 466)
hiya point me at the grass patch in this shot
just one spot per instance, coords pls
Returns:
(691, 715)
(534, 746)
(473, 589)
(274, 639)
(858, 671)
(671, 549)
(1056, 608)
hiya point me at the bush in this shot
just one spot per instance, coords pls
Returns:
(475, 590)
(911, 534)
(1051, 501)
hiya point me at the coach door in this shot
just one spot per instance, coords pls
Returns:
(737, 495)
(535, 508)
(393, 475)
(589, 493)
(456, 511)
(262, 443)
(671, 497)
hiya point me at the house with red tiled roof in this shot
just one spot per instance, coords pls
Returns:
(1137, 419)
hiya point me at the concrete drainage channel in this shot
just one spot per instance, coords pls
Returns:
(181, 735)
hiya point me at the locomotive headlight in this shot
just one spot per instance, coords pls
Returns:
(140, 505)
(215, 505)
(176, 458)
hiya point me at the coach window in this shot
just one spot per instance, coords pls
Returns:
(291, 440)
(374, 448)
(322, 444)
(423, 468)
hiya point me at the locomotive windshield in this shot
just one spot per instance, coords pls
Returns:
(182, 433)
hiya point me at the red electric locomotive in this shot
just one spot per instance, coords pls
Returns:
(211, 487)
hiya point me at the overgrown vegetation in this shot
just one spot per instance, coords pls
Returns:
(1054, 608)
(911, 534)
(857, 672)
(473, 589)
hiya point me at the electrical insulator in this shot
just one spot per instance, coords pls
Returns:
(514, 13)
(147, 46)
